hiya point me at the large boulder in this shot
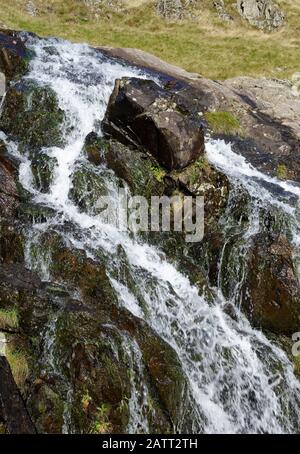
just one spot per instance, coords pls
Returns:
(142, 113)
(263, 14)
(271, 294)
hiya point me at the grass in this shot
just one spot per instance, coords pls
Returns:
(223, 122)
(281, 172)
(9, 319)
(207, 45)
(158, 172)
(18, 364)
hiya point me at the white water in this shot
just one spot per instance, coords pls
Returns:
(238, 380)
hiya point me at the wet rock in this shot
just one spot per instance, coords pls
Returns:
(263, 14)
(143, 114)
(12, 408)
(11, 242)
(88, 187)
(13, 55)
(271, 295)
(43, 167)
(94, 147)
(9, 192)
(202, 179)
(31, 115)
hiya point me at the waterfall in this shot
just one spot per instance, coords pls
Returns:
(239, 381)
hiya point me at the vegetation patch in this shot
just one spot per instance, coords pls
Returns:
(9, 319)
(281, 172)
(204, 44)
(223, 122)
(18, 363)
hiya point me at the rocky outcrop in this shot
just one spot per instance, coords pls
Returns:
(141, 113)
(271, 294)
(13, 413)
(266, 111)
(263, 14)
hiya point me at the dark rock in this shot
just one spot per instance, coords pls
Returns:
(271, 294)
(94, 146)
(12, 408)
(143, 114)
(43, 167)
(31, 115)
(13, 55)
(9, 193)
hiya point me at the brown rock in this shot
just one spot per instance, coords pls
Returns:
(272, 293)
(142, 113)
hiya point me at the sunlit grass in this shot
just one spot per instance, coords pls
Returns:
(208, 46)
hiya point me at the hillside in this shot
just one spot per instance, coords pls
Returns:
(201, 42)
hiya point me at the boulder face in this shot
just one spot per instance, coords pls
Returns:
(263, 14)
(13, 414)
(143, 114)
(272, 292)
(13, 55)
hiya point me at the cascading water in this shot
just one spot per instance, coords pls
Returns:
(239, 382)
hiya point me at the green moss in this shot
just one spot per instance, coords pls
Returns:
(223, 122)
(158, 172)
(9, 319)
(2, 429)
(32, 116)
(281, 172)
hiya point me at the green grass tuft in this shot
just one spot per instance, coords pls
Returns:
(281, 172)
(9, 319)
(223, 122)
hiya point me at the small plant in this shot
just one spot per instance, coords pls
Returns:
(101, 425)
(158, 172)
(223, 122)
(85, 401)
(281, 172)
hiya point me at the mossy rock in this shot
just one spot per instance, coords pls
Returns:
(46, 408)
(95, 148)
(11, 243)
(88, 186)
(43, 167)
(31, 115)
(138, 169)
(32, 212)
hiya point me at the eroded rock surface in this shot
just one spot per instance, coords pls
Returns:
(263, 14)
